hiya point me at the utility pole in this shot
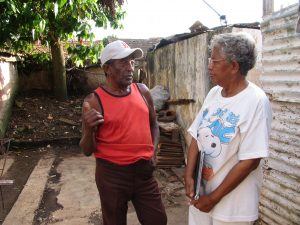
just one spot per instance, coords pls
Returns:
(268, 7)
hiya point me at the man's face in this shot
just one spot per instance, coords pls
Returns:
(120, 71)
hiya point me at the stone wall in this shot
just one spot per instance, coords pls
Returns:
(8, 90)
(182, 68)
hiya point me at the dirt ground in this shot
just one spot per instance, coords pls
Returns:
(38, 121)
(38, 116)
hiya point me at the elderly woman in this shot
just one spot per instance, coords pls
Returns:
(231, 133)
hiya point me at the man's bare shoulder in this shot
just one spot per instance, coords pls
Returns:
(143, 88)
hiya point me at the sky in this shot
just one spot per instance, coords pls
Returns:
(162, 18)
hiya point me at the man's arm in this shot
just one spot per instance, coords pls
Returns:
(91, 119)
(152, 115)
(235, 176)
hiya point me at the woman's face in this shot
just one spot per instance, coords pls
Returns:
(219, 68)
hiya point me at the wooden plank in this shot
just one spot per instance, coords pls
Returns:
(168, 158)
(177, 144)
(170, 154)
(170, 150)
(169, 163)
(169, 127)
(180, 101)
(168, 166)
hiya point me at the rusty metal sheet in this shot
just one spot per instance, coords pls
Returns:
(280, 198)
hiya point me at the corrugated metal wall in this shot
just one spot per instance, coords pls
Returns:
(280, 200)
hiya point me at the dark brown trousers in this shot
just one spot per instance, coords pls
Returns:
(119, 184)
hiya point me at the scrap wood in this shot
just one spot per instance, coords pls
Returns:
(165, 166)
(180, 101)
(170, 154)
(169, 151)
(175, 144)
(67, 121)
(169, 127)
(166, 158)
(169, 158)
(169, 146)
(165, 162)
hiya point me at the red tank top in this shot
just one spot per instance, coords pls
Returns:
(125, 135)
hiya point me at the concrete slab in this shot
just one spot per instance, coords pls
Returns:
(78, 194)
(176, 216)
(78, 198)
(28, 201)
(75, 199)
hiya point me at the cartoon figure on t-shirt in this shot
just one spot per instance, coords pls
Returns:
(211, 144)
(214, 132)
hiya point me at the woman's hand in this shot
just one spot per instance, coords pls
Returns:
(205, 203)
(189, 187)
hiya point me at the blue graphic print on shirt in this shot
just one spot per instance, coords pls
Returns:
(222, 123)
(215, 130)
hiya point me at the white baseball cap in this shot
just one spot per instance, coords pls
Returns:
(119, 50)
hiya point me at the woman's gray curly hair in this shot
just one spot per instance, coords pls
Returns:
(237, 46)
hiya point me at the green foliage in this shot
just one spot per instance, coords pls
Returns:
(49, 21)
(41, 57)
(53, 22)
(105, 41)
(80, 52)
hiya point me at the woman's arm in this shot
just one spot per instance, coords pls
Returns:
(190, 168)
(235, 176)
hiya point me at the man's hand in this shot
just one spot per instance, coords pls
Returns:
(91, 118)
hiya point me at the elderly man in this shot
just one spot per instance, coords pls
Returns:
(120, 129)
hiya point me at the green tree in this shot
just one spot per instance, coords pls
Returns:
(22, 22)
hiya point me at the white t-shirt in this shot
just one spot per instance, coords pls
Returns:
(228, 130)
